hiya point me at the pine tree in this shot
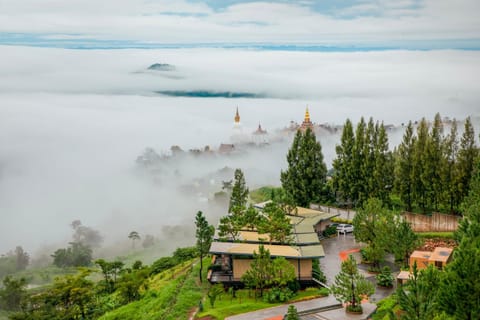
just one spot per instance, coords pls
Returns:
(343, 164)
(204, 233)
(383, 166)
(420, 178)
(260, 273)
(404, 167)
(292, 313)
(403, 240)
(276, 224)
(357, 179)
(467, 154)
(305, 178)
(432, 178)
(418, 297)
(368, 167)
(230, 226)
(350, 286)
(239, 197)
(450, 170)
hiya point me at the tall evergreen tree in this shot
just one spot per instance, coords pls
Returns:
(343, 164)
(404, 167)
(432, 179)
(467, 155)
(359, 158)
(420, 178)
(383, 166)
(368, 168)
(204, 233)
(305, 178)
(417, 298)
(239, 197)
(450, 170)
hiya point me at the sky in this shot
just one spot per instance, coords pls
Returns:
(411, 24)
(78, 103)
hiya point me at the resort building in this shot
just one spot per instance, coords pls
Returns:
(232, 259)
(439, 258)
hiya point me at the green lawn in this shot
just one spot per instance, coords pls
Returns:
(443, 235)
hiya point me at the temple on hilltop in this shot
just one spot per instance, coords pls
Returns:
(306, 122)
(260, 136)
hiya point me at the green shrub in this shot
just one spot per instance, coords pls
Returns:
(163, 264)
(323, 292)
(184, 254)
(385, 278)
(317, 273)
(386, 308)
(357, 308)
(278, 295)
(341, 220)
(365, 254)
(330, 231)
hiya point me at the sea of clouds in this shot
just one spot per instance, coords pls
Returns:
(72, 123)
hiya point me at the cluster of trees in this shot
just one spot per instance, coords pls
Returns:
(433, 169)
(271, 221)
(79, 297)
(363, 167)
(80, 250)
(14, 261)
(384, 231)
(429, 170)
(76, 254)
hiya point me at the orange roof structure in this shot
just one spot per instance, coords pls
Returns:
(441, 254)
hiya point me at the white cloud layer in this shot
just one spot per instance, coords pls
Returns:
(186, 22)
(72, 123)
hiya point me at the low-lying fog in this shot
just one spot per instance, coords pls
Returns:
(73, 122)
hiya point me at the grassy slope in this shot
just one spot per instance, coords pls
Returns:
(172, 294)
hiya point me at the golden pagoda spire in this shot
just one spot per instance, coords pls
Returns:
(237, 116)
(306, 122)
(307, 116)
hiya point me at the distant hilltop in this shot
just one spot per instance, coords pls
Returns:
(161, 67)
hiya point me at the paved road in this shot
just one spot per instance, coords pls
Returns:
(281, 310)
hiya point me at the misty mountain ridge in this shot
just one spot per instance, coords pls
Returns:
(210, 94)
(161, 67)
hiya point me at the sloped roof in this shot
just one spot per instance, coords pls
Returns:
(306, 238)
(441, 254)
(233, 248)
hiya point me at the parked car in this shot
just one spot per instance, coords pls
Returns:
(344, 228)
